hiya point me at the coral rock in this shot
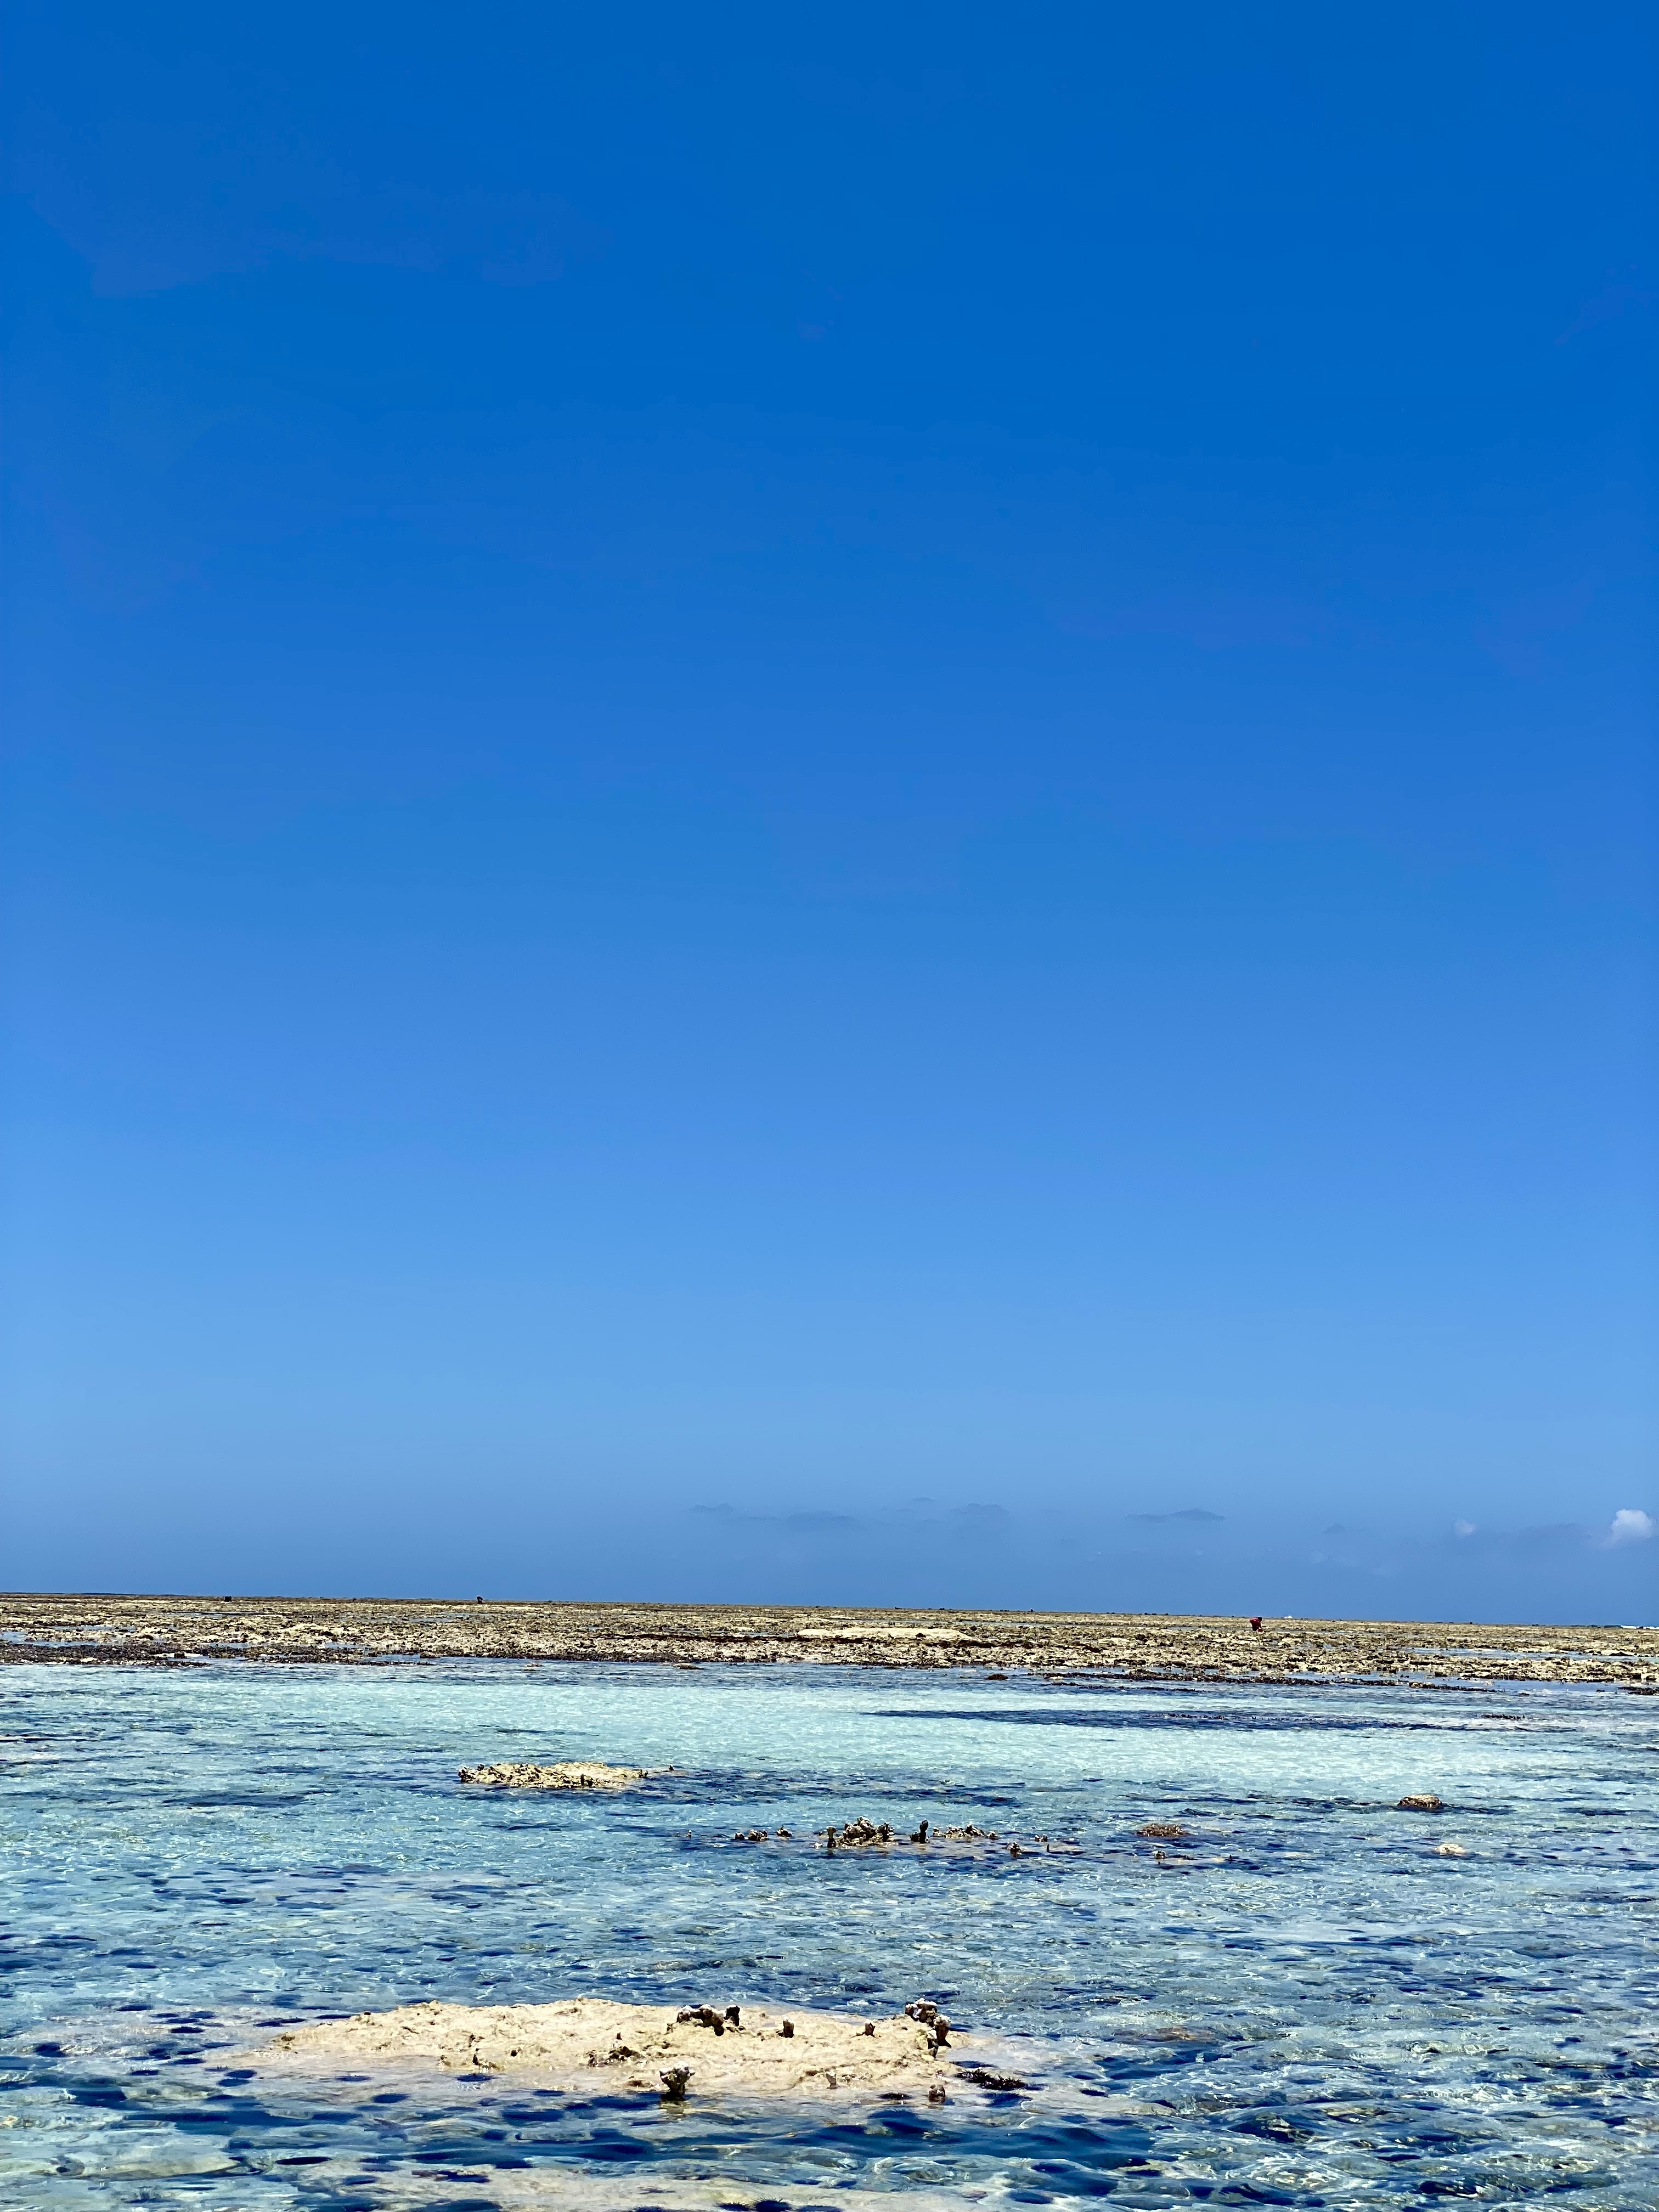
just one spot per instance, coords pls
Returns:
(565, 1774)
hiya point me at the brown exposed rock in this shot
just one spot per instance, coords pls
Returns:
(1087, 1648)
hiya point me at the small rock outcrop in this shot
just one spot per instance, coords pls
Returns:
(564, 1774)
(1425, 1802)
(861, 1834)
(928, 2015)
(858, 1834)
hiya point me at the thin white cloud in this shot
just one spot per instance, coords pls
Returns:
(1630, 1525)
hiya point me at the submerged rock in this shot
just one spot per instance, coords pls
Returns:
(1168, 1832)
(982, 2077)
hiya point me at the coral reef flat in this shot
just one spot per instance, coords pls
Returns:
(127, 1630)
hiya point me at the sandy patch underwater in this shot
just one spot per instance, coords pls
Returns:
(1301, 2001)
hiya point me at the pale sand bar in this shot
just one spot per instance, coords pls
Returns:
(589, 2043)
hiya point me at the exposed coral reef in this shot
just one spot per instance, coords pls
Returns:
(564, 1774)
(1103, 1646)
(685, 2053)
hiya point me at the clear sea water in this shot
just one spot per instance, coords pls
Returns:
(1301, 2003)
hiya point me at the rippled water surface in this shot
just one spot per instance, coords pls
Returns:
(1301, 2002)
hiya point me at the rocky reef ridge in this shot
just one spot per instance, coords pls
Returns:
(163, 1631)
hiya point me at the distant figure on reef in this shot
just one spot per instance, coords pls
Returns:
(1255, 1620)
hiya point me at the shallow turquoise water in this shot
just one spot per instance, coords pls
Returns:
(1301, 2004)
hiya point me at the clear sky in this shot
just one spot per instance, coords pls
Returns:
(834, 803)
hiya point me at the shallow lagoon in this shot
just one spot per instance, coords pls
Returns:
(1302, 2004)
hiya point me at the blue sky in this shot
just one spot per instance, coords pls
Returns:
(824, 804)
